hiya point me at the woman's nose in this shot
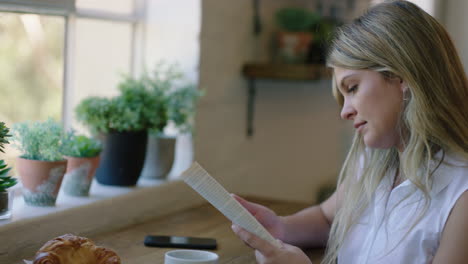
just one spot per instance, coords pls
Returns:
(347, 112)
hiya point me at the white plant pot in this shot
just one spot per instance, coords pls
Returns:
(159, 157)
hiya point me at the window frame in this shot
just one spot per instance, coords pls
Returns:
(71, 13)
(46, 7)
(68, 10)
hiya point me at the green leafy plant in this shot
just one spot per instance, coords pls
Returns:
(323, 30)
(144, 103)
(138, 107)
(295, 19)
(179, 99)
(96, 113)
(6, 181)
(182, 106)
(4, 130)
(38, 140)
(81, 146)
(164, 77)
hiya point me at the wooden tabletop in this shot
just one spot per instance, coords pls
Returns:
(204, 221)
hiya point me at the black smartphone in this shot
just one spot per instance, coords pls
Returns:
(180, 242)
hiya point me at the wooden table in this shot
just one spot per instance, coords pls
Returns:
(204, 221)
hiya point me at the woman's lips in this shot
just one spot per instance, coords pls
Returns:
(359, 126)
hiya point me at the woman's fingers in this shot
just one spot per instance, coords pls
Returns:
(251, 207)
(263, 246)
(267, 253)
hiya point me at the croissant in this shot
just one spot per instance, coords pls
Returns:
(71, 249)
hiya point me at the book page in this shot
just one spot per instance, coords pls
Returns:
(199, 179)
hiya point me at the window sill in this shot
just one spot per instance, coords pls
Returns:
(106, 210)
(98, 192)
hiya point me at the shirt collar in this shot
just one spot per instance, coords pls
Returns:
(441, 177)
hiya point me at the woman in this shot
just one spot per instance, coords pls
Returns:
(401, 195)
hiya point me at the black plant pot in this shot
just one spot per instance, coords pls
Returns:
(122, 158)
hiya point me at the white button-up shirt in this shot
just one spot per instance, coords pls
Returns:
(381, 236)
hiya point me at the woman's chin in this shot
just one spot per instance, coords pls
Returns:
(372, 142)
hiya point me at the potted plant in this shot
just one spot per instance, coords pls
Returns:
(161, 147)
(124, 121)
(82, 154)
(322, 31)
(6, 181)
(294, 36)
(180, 107)
(41, 166)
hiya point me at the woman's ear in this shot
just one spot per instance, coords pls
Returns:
(405, 90)
(403, 86)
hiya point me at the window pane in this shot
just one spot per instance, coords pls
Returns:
(100, 58)
(174, 28)
(31, 68)
(114, 6)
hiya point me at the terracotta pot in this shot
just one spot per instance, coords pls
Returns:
(41, 180)
(79, 175)
(293, 47)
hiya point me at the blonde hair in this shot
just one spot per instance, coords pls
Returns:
(397, 38)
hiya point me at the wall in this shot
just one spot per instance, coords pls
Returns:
(455, 21)
(299, 140)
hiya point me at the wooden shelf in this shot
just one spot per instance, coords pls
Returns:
(290, 72)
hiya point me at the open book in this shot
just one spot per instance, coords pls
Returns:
(199, 179)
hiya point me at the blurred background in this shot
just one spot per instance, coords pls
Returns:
(55, 53)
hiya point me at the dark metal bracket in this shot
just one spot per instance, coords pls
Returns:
(250, 106)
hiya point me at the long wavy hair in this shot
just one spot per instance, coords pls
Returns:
(397, 38)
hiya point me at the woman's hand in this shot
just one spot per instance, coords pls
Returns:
(264, 216)
(266, 253)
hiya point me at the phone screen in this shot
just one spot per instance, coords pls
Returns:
(180, 242)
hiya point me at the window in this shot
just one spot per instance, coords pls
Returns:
(31, 66)
(97, 60)
(31, 69)
(56, 52)
(123, 7)
(53, 55)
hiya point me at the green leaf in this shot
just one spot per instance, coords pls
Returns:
(5, 171)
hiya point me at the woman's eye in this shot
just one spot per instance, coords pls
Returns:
(352, 89)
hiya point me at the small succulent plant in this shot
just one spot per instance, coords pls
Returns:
(6, 181)
(38, 140)
(81, 146)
